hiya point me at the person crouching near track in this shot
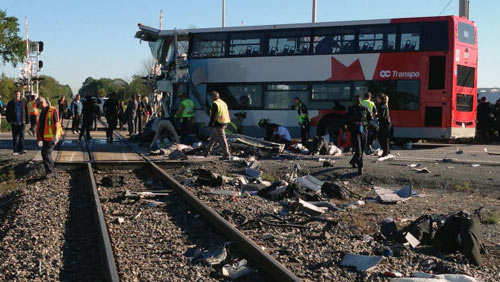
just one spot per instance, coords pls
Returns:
(48, 132)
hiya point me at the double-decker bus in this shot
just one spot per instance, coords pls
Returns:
(427, 66)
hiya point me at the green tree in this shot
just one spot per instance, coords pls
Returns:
(11, 44)
(51, 89)
(7, 87)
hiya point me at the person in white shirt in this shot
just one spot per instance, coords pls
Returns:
(281, 135)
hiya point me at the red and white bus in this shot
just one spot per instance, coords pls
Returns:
(427, 66)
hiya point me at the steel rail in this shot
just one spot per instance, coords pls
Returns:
(265, 261)
(110, 271)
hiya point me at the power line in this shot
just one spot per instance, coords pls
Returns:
(449, 2)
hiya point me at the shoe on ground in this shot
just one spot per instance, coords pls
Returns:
(23, 152)
(15, 154)
(74, 132)
(360, 170)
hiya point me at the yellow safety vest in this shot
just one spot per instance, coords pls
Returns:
(188, 108)
(222, 112)
(49, 128)
(32, 108)
(302, 116)
(368, 104)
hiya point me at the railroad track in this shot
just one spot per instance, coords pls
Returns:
(118, 223)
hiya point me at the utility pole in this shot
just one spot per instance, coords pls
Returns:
(463, 10)
(161, 19)
(314, 11)
(28, 67)
(223, 13)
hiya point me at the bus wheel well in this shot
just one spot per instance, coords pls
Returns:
(329, 124)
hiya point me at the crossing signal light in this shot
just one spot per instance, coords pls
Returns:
(40, 64)
(40, 46)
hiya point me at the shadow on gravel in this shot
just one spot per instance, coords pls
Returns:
(81, 261)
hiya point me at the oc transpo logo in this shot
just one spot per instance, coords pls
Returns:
(385, 73)
(399, 74)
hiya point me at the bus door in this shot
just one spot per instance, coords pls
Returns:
(436, 101)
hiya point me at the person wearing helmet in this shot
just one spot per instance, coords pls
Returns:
(236, 124)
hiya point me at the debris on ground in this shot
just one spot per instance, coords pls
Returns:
(236, 270)
(113, 181)
(360, 262)
(209, 178)
(310, 182)
(475, 165)
(334, 190)
(422, 170)
(428, 277)
(389, 196)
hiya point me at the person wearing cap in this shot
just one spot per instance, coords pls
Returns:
(185, 114)
(48, 132)
(219, 119)
(236, 124)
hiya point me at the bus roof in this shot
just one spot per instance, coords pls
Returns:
(150, 34)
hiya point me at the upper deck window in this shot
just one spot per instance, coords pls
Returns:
(465, 76)
(334, 40)
(410, 37)
(209, 45)
(377, 38)
(245, 44)
(466, 33)
(289, 43)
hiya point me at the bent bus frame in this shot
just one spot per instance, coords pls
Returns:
(427, 66)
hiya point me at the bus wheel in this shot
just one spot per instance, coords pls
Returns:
(329, 125)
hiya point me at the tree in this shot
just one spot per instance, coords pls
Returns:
(52, 90)
(11, 44)
(7, 87)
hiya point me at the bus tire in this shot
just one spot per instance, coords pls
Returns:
(329, 125)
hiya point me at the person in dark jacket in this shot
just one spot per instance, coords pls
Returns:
(139, 114)
(17, 116)
(484, 116)
(111, 109)
(357, 118)
(121, 115)
(496, 114)
(63, 106)
(130, 114)
(88, 118)
(303, 120)
(384, 122)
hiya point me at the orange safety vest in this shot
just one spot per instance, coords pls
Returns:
(32, 108)
(50, 128)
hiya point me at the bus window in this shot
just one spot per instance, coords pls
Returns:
(370, 42)
(466, 33)
(280, 96)
(330, 41)
(465, 76)
(289, 43)
(437, 72)
(247, 44)
(464, 102)
(331, 91)
(410, 37)
(209, 45)
(403, 94)
(239, 97)
(410, 42)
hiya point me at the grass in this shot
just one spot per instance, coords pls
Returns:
(5, 126)
(463, 187)
(492, 217)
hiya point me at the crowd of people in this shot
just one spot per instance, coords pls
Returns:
(364, 123)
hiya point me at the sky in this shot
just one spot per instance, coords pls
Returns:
(96, 37)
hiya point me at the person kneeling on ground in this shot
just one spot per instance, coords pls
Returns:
(164, 129)
(281, 135)
(48, 132)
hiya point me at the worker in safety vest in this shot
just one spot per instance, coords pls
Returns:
(33, 113)
(372, 127)
(236, 124)
(48, 132)
(219, 119)
(185, 114)
(304, 120)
